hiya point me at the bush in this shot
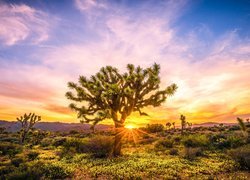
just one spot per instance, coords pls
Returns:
(54, 171)
(234, 128)
(164, 143)
(32, 155)
(37, 136)
(242, 156)
(59, 141)
(16, 161)
(153, 128)
(195, 141)
(221, 141)
(78, 144)
(235, 141)
(10, 139)
(18, 174)
(46, 142)
(10, 149)
(101, 146)
(73, 132)
(33, 171)
(147, 141)
(177, 139)
(173, 151)
(191, 153)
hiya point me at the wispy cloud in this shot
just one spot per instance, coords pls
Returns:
(21, 22)
(88, 5)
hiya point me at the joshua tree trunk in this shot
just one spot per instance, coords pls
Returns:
(23, 137)
(118, 138)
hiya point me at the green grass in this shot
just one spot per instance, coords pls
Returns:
(150, 165)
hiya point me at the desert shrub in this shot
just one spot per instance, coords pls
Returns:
(235, 141)
(46, 142)
(147, 141)
(37, 136)
(24, 171)
(18, 174)
(195, 140)
(192, 152)
(59, 141)
(80, 145)
(5, 170)
(9, 139)
(73, 132)
(242, 156)
(100, 146)
(146, 136)
(153, 128)
(234, 128)
(32, 155)
(10, 149)
(2, 129)
(221, 141)
(177, 139)
(56, 171)
(164, 143)
(173, 151)
(17, 161)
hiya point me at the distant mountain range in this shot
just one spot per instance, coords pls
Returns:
(13, 126)
(209, 124)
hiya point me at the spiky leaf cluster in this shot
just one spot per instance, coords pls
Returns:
(109, 94)
(28, 120)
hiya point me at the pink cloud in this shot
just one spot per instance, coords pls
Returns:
(21, 22)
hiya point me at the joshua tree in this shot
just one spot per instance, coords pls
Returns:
(189, 125)
(183, 123)
(168, 125)
(27, 123)
(173, 124)
(110, 94)
(247, 120)
(241, 124)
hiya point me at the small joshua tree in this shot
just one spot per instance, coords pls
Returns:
(189, 125)
(242, 124)
(183, 123)
(113, 95)
(173, 124)
(243, 127)
(168, 125)
(27, 123)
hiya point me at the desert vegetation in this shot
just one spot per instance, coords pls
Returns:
(155, 151)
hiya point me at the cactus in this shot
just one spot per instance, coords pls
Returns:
(110, 94)
(27, 123)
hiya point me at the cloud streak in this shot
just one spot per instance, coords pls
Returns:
(21, 22)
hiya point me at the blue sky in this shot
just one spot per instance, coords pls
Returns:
(203, 46)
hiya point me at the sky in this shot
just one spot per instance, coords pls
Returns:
(201, 45)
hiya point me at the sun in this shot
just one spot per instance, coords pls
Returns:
(130, 126)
